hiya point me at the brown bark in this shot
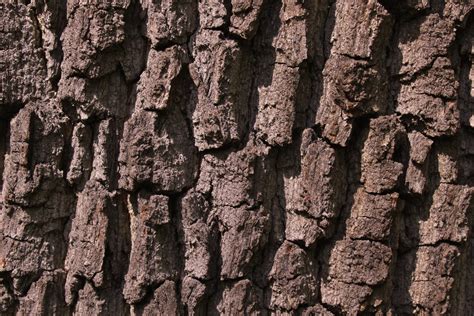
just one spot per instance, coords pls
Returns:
(236, 157)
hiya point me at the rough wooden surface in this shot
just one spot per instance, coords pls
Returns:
(236, 157)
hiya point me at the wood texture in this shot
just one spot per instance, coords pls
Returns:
(236, 157)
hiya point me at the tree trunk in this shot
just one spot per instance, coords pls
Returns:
(236, 157)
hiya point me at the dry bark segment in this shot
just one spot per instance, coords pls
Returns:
(244, 19)
(22, 65)
(357, 274)
(418, 166)
(157, 151)
(355, 76)
(153, 256)
(45, 296)
(429, 82)
(97, 98)
(291, 47)
(87, 243)
(199, 237)
(240, 186)
(239, 298)
(293, 278)
(448, 219)
(159, 78)
(372, 216)
(355, 267)
(33, 181)
(4, 144)
(220, 74)
(101, 38)
(425, 289)
(314, 196)
(80, 167)
(169, 21)
(236, 157)
(35, 207)
(382, 155)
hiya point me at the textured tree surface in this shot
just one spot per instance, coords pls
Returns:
(236, 157)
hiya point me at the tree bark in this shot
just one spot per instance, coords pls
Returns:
(236, 157)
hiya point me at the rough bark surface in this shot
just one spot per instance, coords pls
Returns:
(236, 157)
